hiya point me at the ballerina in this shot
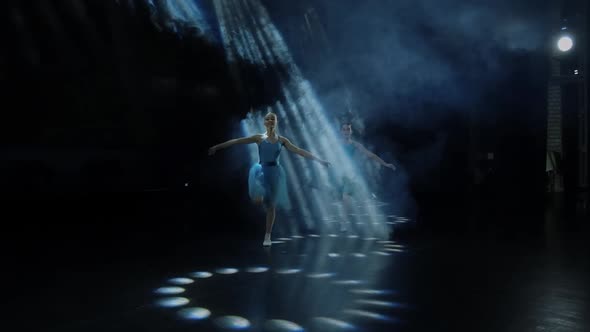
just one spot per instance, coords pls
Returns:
(267, 183)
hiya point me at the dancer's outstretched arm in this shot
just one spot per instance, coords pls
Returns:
(242, 140)
(373, 156)
(304, 153)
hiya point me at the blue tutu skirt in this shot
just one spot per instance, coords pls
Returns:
(268, 183)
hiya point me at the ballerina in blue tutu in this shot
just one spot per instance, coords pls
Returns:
(267, 183)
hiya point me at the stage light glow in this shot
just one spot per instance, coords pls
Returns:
(565, 43)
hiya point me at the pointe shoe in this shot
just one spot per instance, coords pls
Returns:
(267, 242)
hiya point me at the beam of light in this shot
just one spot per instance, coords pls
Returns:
(201, 274)
(367, 291)
(280, 325)
(368, 314)
(226, 36)
(181, 281)
(169, 290)
(237, 32)
(257, 269)
(565, 43)
(227, 270)
(263, 40)
(377, 303)
(301, 118)
(194, 313)
(172, 302)
(185, 13)
(232, 322)
(330, 324)
(246, 39)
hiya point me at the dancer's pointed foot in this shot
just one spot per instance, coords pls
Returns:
(267, 242)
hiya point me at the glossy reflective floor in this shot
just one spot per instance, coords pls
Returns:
(489, 277)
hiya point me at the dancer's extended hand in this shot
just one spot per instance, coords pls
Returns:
(392, 166)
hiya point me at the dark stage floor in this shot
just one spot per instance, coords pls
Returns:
(455, 278)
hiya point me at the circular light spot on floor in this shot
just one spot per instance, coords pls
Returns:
(353, 236)
(381, 253)
(332, 235)
(333, 255)
(181, 281)
(370, 239)
(359, 255)
(331, 324)
(297, 237)
(194, 313)
(366, 291)
(360, 223)
(280, 325)
(398, 246)
(313, 235)
(288, 271)
(320, 275)
(347, 282)
(201, 274)
(380, 303)
(257, 269)
(227, 270)
(386, 242)
(393, 250)
(232, 322)
(171, 302)
(169, 290)
(284, 239)
(367, 314)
